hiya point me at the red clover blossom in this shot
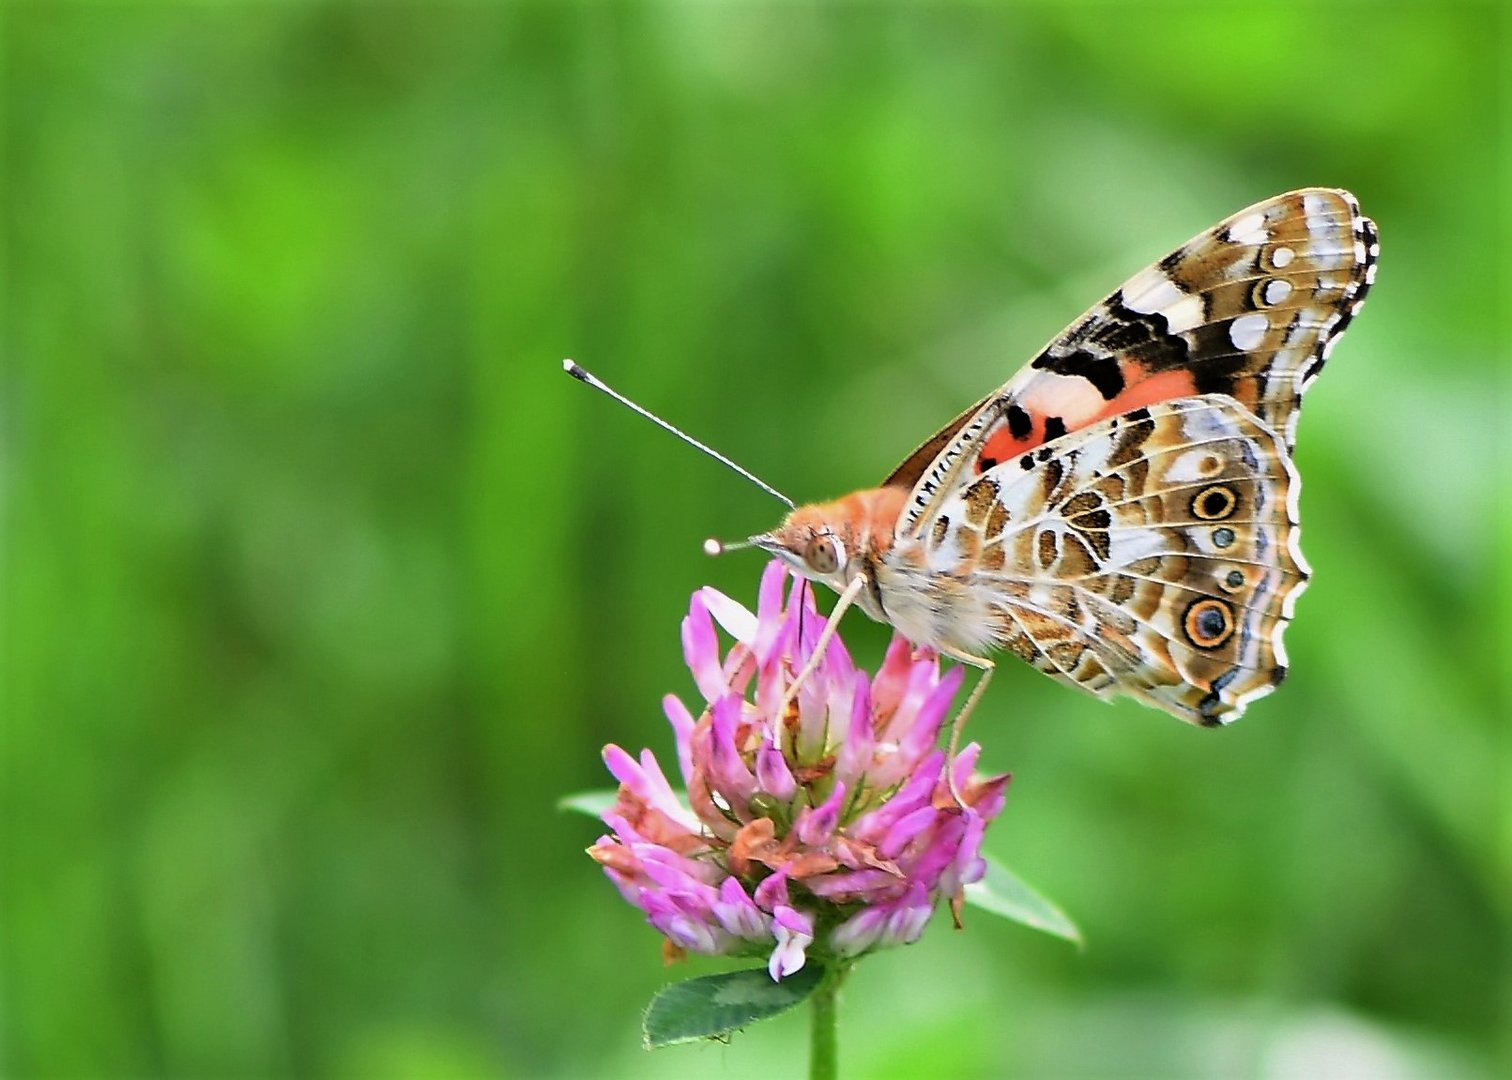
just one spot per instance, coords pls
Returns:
(827, 825)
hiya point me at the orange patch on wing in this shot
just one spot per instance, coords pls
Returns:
(1147, 389)
(1079, 406)
(1004, 447)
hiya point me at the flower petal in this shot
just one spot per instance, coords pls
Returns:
(769, 616)
(918, 791)
(842, 888)
(906, 922)
(924, 708)
(733, 616)
(772, 893)
(729, 775)
(860, 932)
(682, 727)
(860, 743)
(772, 773)
(682, 928)
(738, 913)
(701, 650)
(795, 933)
(892, 678)
(940, 851)
(815, 825)
(905, 829)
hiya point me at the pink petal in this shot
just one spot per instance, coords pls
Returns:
(892, 677)
(815, 825)
(623, 768)
(769, 621)
(682, 727)
(853, 883)
(727, 770)
(906, 922)
(968, 865)
(701, 650)
(905, 829)
(772, 893)
(855, 756)
(736, 620)
(694, 934)
(918, 791)
(944, 844)
(666, 799)
(794, 932)
(772, 773)
(860, 932)
(925, 714)
(678, 875)
(739, 914)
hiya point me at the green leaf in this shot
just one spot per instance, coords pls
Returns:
(716, 1005)
(592, 803)
(1004, 893)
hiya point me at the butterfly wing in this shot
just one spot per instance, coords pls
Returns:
(1153, 554)
(1248, 309)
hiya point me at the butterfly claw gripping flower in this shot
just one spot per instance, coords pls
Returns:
(823, 825)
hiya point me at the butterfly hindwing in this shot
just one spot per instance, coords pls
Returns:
(1153, 553)
(1248, 309)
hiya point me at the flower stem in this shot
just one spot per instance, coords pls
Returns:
(823, 1044)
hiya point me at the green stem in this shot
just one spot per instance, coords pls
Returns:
(823, 1044)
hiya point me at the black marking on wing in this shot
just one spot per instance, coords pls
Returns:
(1207, 708)
(1101, 371)
(1122, 329)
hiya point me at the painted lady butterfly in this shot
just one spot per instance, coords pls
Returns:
(1122, 514)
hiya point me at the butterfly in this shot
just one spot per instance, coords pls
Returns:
(1122, 513)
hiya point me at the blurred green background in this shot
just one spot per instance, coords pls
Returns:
(322, 583)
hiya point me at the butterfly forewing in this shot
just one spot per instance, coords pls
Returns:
(1122, 514)
(1248, 309)
(1153, 553)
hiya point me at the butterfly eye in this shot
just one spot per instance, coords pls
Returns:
(822, 554)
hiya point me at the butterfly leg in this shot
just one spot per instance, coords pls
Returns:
(986, 667)
(831, 626)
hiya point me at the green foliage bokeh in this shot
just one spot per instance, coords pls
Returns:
(322, 583)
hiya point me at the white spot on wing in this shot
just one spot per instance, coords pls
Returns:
(1247, 331)
(1319, 221)
(1185, 314)
(1250, 229)
(1282, 257)
(1149, 291)
(1277, 290)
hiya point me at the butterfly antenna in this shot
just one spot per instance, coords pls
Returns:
(719, 547)
(582, 375)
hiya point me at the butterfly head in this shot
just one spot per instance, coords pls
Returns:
(811, 546)
(831, 543)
